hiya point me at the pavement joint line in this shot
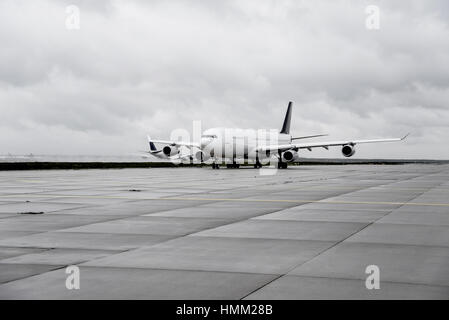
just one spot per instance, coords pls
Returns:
(363, 280)
(177, 269)
(381, 188)
(81, 265)
(309, 201)
(323, 251)
(240, 200)
(304, 262)
(56, 267)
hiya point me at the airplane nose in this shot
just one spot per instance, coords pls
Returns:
(204, 142)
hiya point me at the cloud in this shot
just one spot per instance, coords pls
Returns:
(137, 67)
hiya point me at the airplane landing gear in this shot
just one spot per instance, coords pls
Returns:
(282, 165)
(215, 166)
(257, 165)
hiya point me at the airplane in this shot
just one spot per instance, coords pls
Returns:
(238, 145)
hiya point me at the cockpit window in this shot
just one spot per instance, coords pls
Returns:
(210, 136)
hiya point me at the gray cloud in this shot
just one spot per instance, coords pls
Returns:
(138, 67)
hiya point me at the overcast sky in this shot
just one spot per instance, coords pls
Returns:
(148, 67)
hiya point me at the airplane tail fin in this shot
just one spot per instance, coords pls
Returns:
(152, 146)
(288, 116)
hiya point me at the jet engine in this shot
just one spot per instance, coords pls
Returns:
(289, 156)
(170, 150)
(348, 150)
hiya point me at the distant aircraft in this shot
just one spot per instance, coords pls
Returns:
(12, 157)
(235, 146)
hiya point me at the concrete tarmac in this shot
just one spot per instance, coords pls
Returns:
(195, 233)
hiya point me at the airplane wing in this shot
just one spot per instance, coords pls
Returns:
(143, 154)
(325, 145)
(307, 137)
(176, 143)
(150, 155)
(186, 156)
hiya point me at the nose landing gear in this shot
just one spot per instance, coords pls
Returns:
(257, 165)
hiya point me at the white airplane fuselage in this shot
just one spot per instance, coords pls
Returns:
(238, 145)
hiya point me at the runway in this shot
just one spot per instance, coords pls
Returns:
(307, 232)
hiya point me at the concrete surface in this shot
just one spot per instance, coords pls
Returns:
(196, 233)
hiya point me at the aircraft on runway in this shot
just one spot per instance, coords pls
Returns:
(235, 146)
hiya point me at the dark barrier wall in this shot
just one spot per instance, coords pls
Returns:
(122, 165)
